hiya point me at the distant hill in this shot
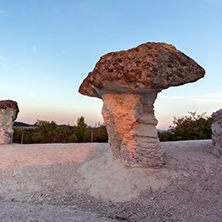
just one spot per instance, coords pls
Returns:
(159, 130)
(21, 124)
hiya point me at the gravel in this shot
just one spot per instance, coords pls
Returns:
(45, 191)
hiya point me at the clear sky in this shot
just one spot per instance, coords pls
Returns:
(47, 48)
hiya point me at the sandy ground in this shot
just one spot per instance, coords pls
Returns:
(81, 182)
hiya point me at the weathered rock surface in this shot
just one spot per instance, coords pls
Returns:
(8, 114)
(128, 82)
(217, 132)
(137, 70)
(131, 126)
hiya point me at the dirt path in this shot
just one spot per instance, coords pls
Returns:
(43, 183)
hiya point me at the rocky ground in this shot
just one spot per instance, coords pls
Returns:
(44, 183)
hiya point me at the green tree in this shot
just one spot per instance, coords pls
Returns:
(46, 131)
(165, 136)
(100, 134)
(80, 130)
(24, 135)
(72, 138)
(192, 127)
(17, 135)
(63, 134)
(89, 134)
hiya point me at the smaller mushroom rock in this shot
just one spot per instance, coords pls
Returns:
(8, 114)
(217, 132)
(128, 82)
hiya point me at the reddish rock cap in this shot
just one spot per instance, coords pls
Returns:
(141, 69)
(4, 104)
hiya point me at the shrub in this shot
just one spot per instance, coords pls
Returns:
(192, 127)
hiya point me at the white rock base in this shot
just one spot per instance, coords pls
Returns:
(131, 127)
(6, 123)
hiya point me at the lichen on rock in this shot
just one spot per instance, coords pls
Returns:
(137, 70)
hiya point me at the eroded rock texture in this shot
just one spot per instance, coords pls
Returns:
(128, 82)
(131, 126)
(217, 132)
(8, 114)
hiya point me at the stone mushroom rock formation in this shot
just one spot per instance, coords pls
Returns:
(128, 83)
(217, 132)
(8, 114)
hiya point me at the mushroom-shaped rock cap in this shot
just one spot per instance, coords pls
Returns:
(141, 69)
(4, 104)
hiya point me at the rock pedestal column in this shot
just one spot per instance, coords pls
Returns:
(131, 126)
(217, 132)
(8, 114)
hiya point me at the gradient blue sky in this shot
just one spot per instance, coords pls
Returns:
(47, 48)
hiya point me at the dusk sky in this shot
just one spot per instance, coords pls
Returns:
(47, 48)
